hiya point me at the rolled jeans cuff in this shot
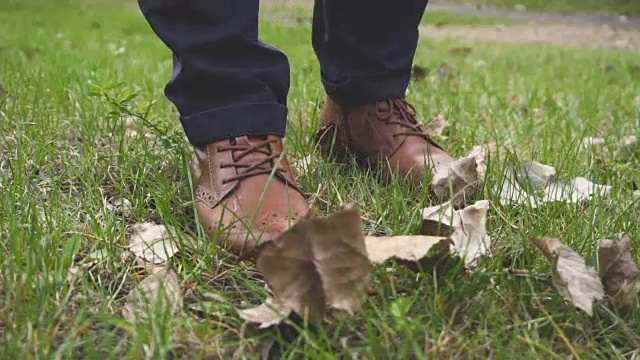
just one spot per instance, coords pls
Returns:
(259, 119)
(366, 89)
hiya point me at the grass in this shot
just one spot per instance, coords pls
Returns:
(435, 17)
(64, 153)
(303, 16)
(624, 7)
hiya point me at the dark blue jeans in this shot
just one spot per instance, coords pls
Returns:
(227, 83)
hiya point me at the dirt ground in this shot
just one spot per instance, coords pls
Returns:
(608, 32)
(592, 36)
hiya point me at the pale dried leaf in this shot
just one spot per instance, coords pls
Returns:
(133, 128)
(120, 206)
(75, 272)
(629, 142)
(590, 142)
(577, 282)
(462, 178)
(97, 255)
(410, 248)
(123, 205)
(301, 166)
(435, 126)
(153, 243)
(214, 296)
(511, 192)
(439, 220)
(150, 267)
(269, 313)
(467, 228)
(318, 261)
(160, 289)
(471, 239)
(202, 306)
(536, 175)
(576, 191)
(619, 273)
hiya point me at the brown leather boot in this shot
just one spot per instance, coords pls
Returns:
(238, 200)
(383, 136)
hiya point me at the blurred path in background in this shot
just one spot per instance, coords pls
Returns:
(592, 30)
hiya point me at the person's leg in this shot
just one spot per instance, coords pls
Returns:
(225, 83)
(231, 91)
(366, 47)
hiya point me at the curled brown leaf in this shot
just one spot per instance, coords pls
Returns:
(619, 273)
(577, 282)
(461, 179)
(318, 262)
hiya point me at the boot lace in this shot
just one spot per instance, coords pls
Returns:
(400, 112)
(261, 167)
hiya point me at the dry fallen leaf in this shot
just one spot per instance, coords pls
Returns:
(318, 262)
(467, 228)
(531, 175)
(120, 206)
(577, 282)
(629, 142)
(132, 128)
(460, 50)
(150, 267)
(461, 179)
(445, 71)
(161, 288)
(577, 190)
(435, 126)
(342, 259)
(511, 192)
(536, 175)
(419, 72)
(590, 142)
(153, 243)
(619, 273)
(287, 266)
(520, 187)
(76, 271)
(263, 349)
(269, 313)
(301, 166)
(409, 248)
